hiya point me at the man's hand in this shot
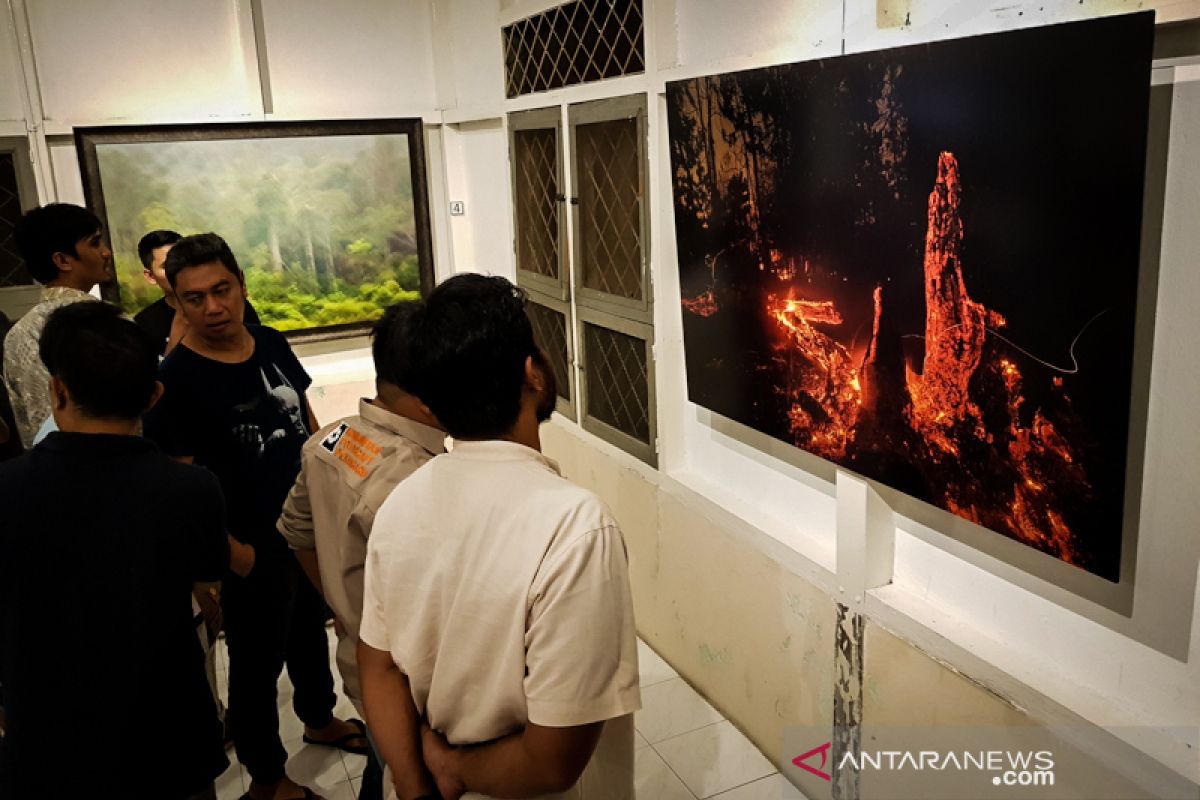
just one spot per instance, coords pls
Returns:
(530, 762)
(440, 758)
(241, 558)
(394, 722)
(208, 597)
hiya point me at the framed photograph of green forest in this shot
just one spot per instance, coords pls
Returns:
(328, 220)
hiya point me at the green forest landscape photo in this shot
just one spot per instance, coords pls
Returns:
(323, 226)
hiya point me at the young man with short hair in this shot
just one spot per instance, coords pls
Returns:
(159, 319)
(234, 402)
(349, 469)
(64, 250)
(85, 562)
(497, 603)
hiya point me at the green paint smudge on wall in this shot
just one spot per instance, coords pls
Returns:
(711, 656)
(797, 604)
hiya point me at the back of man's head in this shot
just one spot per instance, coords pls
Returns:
(50, 229)
(108, 364)
(197, 250)
(389, 346)
(151, 242)
(468, 346)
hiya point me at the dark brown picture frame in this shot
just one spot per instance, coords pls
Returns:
(89, 139)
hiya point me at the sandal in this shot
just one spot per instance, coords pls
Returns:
(343, 742)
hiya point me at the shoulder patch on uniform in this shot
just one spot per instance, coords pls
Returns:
(355, 450)
(330, 442)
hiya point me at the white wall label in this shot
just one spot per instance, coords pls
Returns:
(458, 208)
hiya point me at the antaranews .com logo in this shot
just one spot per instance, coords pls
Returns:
(1000, 767)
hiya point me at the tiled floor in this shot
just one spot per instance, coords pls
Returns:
(685, 749)
(330, 773)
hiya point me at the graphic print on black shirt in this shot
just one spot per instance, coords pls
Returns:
(245, 422)
(280, 410)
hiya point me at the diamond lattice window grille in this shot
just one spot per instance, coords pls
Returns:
(618, 388)
(579, 42)
(550, 332)
(12, 266)
(610, 247)
(535, 162)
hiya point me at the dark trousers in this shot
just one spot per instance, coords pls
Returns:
(371, 787)
(274, 617)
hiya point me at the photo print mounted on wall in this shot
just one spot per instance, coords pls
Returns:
(921, 264)
(329, 220)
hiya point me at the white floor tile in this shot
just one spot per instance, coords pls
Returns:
(652, 667)
(319, 768)
(343, 791)
(344, 708)
(230, 785)
(714, 759)
(639, 741)
(290, 726)
(355, 764)
(774, 787)
(653, 779)
(671, 708)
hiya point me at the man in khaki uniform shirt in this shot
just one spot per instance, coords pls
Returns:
(348, 469)
(497, 602)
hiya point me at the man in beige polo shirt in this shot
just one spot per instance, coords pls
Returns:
(348, 468)
(497, 609)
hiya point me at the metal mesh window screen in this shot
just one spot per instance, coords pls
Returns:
(536, 165)
(12, 266)
(610, 246)
(618, 388)
(579, 42)
(550, 332)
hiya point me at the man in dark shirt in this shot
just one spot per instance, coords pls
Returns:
(159, 319)
(84, 563)
(234, 403)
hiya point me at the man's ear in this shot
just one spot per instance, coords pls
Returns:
(149, 277)
(534, 378)
(155, 396)
(59, 396)
(431, 417)
(63, 261)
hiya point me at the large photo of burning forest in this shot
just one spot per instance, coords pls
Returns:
(921, 264)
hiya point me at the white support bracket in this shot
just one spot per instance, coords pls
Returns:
(866, 540)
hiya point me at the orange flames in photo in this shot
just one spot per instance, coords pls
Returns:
(930, 414)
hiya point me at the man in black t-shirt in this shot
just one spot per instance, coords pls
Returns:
(159, 318)
(84, 562)
(234, 403)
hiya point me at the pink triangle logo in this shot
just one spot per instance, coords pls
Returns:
(820, 773)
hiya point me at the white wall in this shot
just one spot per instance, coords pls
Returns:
(369, 58)
(10, 72)
(174, 61)
(478, 175)
(100, 62)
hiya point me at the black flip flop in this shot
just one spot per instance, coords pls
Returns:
(343, 742)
